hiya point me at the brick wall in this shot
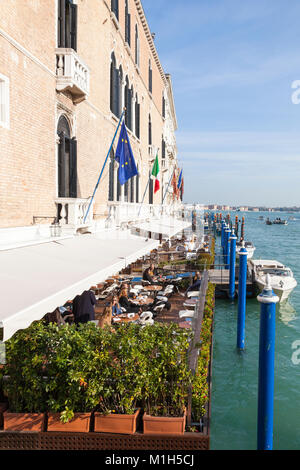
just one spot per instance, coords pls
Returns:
(28, 163)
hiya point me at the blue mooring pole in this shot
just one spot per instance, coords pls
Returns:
(222, 236)
(233, 240)
(242, 297)
(268, 301)
(227, 247)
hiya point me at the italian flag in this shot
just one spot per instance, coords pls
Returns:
(155, 175)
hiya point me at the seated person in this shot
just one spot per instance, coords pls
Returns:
(116, 309)
(196, 283)
(149, 274)
(126, 304)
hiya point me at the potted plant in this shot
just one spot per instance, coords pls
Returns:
(69, 376)
(25, 387)
(167, 381)
(121, 364)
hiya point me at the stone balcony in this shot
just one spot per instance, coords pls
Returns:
(72, 74)
(71, 214)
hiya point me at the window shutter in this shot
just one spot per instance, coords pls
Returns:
(150, 133)
(61, 22)
(111, 178)
(115, 91)
(73, 28)
(163, 149)
(137, 188)
(150, 190)
(126, 96)
(61, 166)
(127, 28)
(73, 168)
(132, 190)
(118, 188)
(150, 78)
(115, 8)
(111, 86)
(137, 119)
(164, 107)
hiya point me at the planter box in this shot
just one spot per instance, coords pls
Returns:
(3, 407)
(26, 422)
(80, 423)
(115, 423)
(163, 425)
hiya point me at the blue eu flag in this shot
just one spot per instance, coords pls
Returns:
(124, 156)
(179, 180)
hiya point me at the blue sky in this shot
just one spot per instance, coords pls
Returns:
(233, 63)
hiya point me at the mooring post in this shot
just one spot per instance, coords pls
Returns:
(242, 297)
(233, 239)
(227, 247)
(268, 301)
(222, 235)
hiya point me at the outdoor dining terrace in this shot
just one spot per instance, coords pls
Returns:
(144, 372)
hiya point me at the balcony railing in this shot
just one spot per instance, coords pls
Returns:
(72, 74)
(71, 213)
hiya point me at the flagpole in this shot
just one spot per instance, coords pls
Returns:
(144, 196)
(146, 188)
(100, 176)
(168, 187)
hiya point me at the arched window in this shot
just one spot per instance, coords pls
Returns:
(67, 160)
(137, 46)
(127, 24)
(114, 87)
(150, 76)
(111, 184)
(115, 8)
(137, 117)
(149, 131)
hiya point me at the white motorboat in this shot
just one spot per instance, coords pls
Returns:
(249, 247)
(281, 277)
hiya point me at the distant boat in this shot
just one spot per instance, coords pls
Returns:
(279, 221)
(281, 277)
(269, 222)
(261, 217)
(249, 247)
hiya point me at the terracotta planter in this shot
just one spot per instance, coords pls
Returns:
(27, 422)
(115, 423)
(3, 407)
(80, 423)
(163, 425)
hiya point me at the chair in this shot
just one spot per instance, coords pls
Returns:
(186, 314)
(193, 294)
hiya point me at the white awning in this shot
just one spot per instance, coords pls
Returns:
(37, 279)
(167, 227)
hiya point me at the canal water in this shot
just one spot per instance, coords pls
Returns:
(235, 374)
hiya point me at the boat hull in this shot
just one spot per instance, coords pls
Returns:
(282, 294)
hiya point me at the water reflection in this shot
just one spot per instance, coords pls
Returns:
(287, 313)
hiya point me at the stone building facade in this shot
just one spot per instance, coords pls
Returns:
(67, 70)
